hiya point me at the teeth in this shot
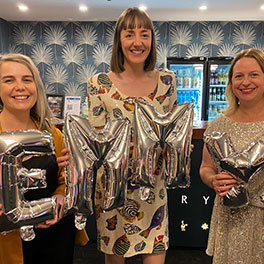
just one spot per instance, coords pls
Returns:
(20, 97)
(137, 51)
(246, 90)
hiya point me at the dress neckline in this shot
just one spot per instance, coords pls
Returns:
(240, 122)
(113, 86)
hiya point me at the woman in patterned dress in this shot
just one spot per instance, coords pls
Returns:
(140, 227)
(237, 235)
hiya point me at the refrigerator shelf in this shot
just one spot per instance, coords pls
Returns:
(218, 85)
(217, 102)
(188, 89)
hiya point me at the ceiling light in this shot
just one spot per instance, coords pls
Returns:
(203, 7)
(262, 7)
(22, 7)
(83, 8)
(143, 8)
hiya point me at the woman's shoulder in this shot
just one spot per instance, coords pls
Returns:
(215, 123)
(164, 72)
(99, 83)
(99, 78)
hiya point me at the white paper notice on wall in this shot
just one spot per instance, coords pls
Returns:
(72, 105)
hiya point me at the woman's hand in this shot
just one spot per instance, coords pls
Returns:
(63, 160)
(223, 182)
(1, 209)
(59, 214)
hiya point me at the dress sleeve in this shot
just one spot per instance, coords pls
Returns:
(96, 106)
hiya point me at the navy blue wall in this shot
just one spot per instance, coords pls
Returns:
(67, 54)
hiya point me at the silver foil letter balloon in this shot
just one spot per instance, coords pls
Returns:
(242, 164)
(15, 180)
(154, 133)
(91, 148)
(178, 141)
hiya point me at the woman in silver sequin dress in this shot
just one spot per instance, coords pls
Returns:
(237, 236)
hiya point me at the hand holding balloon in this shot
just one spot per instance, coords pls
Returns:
(223, 182)
(63, 160)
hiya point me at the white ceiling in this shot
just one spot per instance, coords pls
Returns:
(109, 10)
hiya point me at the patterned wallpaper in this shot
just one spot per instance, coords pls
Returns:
(68, 53)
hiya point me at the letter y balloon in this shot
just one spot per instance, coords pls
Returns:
(90, 149)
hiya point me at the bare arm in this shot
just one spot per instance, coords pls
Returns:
(221, 182)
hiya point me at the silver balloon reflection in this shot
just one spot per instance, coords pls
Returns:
(244, 165)
(170, 133)
(91, 148)
(15, 180)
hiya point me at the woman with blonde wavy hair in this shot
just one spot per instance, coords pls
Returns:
(24, 107)
(236, 235)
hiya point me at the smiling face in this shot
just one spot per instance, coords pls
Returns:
(17, 87)
(248, 81)
(136, 44)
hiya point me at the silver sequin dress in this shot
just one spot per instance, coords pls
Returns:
(238, 237)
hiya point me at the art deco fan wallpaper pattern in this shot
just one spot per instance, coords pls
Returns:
(68, 53)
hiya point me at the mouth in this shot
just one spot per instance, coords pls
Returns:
(21, 97)
(137, 51)
(247, 91)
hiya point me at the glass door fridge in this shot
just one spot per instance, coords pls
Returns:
(190, 81)
(216, 82)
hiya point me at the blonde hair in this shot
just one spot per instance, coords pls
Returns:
(233, 102)
(40, 112)
(127, 20)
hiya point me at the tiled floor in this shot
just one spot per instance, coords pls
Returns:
(90, 255)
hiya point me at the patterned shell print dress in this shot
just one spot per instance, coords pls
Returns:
(140, 226)
(237, 236)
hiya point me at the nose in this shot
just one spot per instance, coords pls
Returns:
(19, 85)
(246, 81)
(137, 40)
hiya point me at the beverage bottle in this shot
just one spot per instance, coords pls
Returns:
(210, 113)
(218, 94)
(220, 76)
(194, 112)
(192, 96)
(214, 94)
(187, 80)
(216, 78)
(179, 79)
(223, 94)
(176, 79)
(214, 112)
(210, 94)
(195, 80)
(179, 97)
(212, 78)
(225, 77)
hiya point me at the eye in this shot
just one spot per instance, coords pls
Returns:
(254, 74)
(28, 80)
(238, 76)
(7, 80)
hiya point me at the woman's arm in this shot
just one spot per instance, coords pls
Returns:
(221, 182)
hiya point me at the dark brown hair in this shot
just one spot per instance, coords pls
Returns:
(127, 20)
